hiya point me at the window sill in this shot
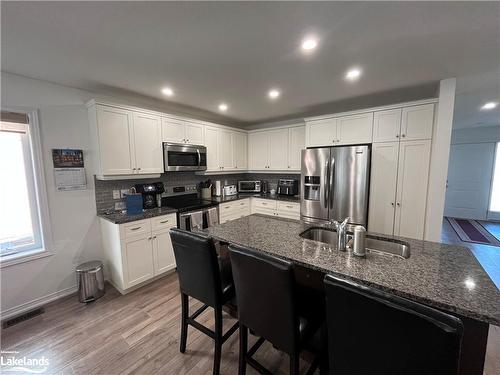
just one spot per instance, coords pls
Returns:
(25, 256)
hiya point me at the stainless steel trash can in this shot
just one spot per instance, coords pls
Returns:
(90, 281)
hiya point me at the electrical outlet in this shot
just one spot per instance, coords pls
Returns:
(116, 194)
(120, 206)
(123, 193)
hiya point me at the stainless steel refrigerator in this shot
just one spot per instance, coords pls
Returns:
(335, 184)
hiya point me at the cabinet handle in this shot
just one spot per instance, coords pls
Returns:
(187, 140)
(163, 222)
(242, 204)
(392, 204)
(264, 204)
(398, 204)
(149, 238)
(154, 237)
(397, 135)
(289, 206)
(133, 169)
(138, 169)
(403, 135)
(136, 228)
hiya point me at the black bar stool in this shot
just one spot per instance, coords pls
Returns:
(265, 291)
(200, 277)
(374, 332)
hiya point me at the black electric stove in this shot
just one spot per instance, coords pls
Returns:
(187, 202)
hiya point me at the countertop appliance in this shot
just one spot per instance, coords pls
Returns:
(192, 211)
(182, 157)
(249, 186)
(335, 184)
(288, 187)
(230, 190)
(150, 193)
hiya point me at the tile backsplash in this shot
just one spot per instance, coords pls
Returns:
(104, 189)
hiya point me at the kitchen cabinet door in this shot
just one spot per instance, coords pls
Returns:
(355, 129)
(296, 143)
(278, 149)
(258, 151)
(163, 252)
(225, 149)
(416, 122)
(173, 130)
(321, 132)
(240, 150)
(411, 194)
(194, 134)
(139, 260)
(114, 127)
(387, 125)
(147, 145)
(211, 139)
(384, 171)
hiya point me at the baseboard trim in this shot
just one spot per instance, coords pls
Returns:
(38, 302)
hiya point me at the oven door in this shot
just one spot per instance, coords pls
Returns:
(181, 157)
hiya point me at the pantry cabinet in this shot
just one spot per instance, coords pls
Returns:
(138, 251)
(398, 188)
(125, 142)
(338, 131)
(276, 150)
(181, 131)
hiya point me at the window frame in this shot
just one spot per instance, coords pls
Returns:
(37, 188)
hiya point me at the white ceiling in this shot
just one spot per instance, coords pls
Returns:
(235, 52)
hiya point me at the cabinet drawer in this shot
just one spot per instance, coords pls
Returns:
(137, 228)
(263, 211)
(264, 203)
(234, 206)
(289, 207)
(163, 222)
(288, 215)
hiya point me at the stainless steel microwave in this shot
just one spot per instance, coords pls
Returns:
(182, 157)
(249, 186)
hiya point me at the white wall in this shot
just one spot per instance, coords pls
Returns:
(63, 124)
(484, 134)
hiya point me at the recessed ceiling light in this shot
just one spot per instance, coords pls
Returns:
(353, 74)
(274, 93)
(489, 105)
(309, 44)
(223, 107)
(167, 91)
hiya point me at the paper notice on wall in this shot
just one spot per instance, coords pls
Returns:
(69, 171)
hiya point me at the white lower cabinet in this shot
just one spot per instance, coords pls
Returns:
(271, 207)
(398, 189)
(138, 251)
(234, 210)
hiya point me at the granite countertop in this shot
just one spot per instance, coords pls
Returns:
(120, 217)
(229, 198)
(447, 277)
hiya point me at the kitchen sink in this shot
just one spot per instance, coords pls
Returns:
(376, 245)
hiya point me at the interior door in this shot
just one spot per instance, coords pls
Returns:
(384, 175)
(147, 143)
(469, 180)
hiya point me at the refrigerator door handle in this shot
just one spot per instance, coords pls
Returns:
(325, 183)
(331, 181)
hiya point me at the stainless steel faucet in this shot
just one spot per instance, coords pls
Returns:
(341, 233)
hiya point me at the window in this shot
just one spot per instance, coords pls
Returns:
(495, 187)
(20, 219)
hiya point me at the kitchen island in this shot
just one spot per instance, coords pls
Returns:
(443, 276)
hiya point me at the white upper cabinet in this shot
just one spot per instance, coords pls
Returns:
(296, 143)
(181, 131)
(258, 150)
(416, 122)
(387, 125)
(321, 132)
(225, 149)
(278, 149)
(355, 129)
(212, 148)
(147, 146)
(337, 131)
(126, 142)
(240, 141)
(112, 128)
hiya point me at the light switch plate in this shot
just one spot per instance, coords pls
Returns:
(116, 194)
(120, 206)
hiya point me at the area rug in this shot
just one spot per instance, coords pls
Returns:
(472, 231)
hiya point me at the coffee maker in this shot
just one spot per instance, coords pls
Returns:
(150, 193)
(288, 187)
